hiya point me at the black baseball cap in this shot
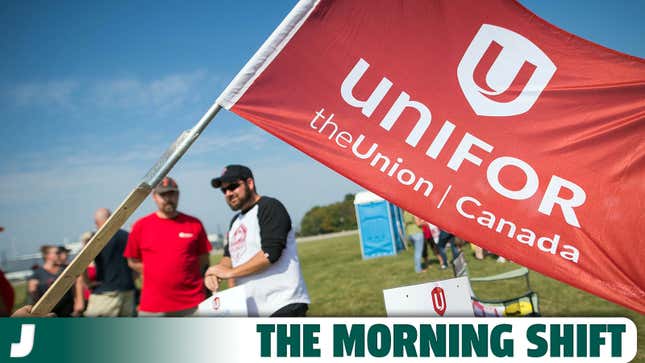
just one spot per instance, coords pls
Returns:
(167, 184)
(232, 173)
(63, 249)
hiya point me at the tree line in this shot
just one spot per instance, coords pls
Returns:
(335, 217)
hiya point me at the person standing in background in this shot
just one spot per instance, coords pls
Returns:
(7, 296)
(72, 302)
(86, 280)
(63, 256)
(444, 239)
(431, 235)
(113, 293)
(415, 235)
(261, 253)
(170, 249)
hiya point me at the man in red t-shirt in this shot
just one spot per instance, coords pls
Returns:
(170, 250)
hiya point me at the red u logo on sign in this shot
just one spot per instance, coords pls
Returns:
(438, 300)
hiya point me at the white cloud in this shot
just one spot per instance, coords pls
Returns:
(50, 195)
(158, 96)
(48, 204)
(57, 93)
(168, 92)
(146, 152)
(253, 139)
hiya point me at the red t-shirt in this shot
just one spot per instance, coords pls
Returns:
(6, 294)
(91, 275)
(427, 234)
(169, 250)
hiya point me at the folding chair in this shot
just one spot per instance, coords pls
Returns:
(526, 304)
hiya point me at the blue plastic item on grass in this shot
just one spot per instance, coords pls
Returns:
(380, 225)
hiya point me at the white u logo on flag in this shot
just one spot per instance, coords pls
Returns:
(502, 73)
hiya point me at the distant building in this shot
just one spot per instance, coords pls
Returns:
(216, 240)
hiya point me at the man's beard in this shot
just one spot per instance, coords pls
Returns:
(169, 208)
(241, 202)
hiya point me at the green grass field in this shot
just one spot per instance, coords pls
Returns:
(342, 284)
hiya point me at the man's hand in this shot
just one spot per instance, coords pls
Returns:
(222, 271)
(215, 274)
(211, 280)
(79, 306)
(136, 265)
(25, 312)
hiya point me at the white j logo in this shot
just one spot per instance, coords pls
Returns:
(502, 73)
(26, 343)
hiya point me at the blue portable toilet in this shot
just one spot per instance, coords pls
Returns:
(380, 225)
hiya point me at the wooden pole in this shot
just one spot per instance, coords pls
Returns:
(91, 249)
(94, 246)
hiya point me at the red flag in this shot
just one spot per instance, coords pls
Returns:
(479, 117)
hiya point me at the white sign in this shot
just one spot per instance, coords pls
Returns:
(439, 298)
(230, 302)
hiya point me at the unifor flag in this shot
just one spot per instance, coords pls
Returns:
(477, 116)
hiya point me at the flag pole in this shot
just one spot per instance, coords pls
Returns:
(94, 246)
(262, 57)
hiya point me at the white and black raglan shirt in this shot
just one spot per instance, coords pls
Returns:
(267, 227)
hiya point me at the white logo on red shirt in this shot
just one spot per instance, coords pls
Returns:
(185, 235)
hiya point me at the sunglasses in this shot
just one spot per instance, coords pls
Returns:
(230, 187)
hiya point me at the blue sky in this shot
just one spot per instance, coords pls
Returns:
(91, 94)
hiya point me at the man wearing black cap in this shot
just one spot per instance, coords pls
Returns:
(63, 259)
(171, 250)
(261, 251)
(63, 255)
